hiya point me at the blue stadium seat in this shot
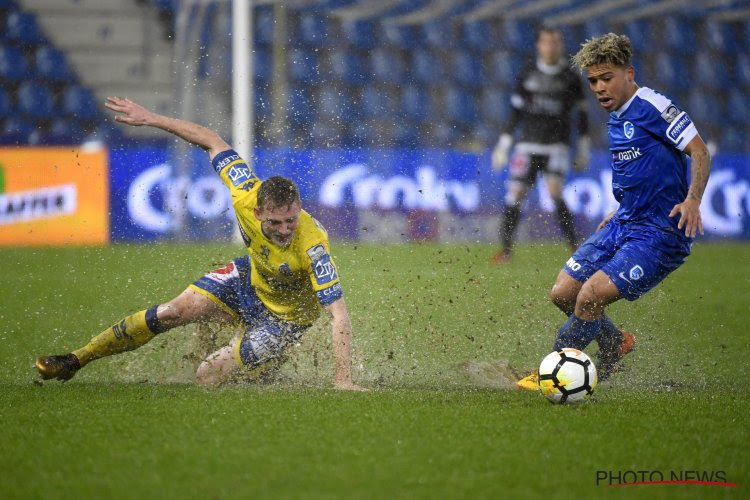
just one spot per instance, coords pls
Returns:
(378, 103)
(61, 132)
(79, 102)
(13, 66)
(359, 34)
(334, 104)
(439, 35)
(440, 134)
(494, 105)
(704, 108)
(467, 69)
(35, 100)
(426, 68)
(415, 103)
(16, 131)
(262, 100)
(387, 66)
(518, 35)
(710, 71)
(21, 27)
(324, 134)
(743, 69)
(263, 26)
(402, 37)
(459, 106)
(594, 26)
(679, 35)
(299, 109)
(313, 29)
(50, 65)
(6, 104)
(346, 66)
(262, 65)
(302, 66)
(738, 107)
(478, 36)
(406, 135)
(639, 33)
(720, 36)
(734, 139)
(672, 73)
(485, 133)
(505, 68)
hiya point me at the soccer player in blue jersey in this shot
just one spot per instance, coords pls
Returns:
(275, 292)
(651, 232)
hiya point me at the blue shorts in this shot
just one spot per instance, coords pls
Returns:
(636, 257)
(266, 335)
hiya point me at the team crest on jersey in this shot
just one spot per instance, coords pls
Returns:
(670, 113)
(628, 129)
(285, 269)
(636, 272)
(265, 251)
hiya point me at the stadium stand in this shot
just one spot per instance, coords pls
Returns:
(419, 72)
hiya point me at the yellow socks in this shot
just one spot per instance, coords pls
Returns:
(126, 335)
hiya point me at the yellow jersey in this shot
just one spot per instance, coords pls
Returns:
(292, 282)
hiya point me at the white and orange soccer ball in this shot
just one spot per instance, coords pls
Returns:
(567, 376)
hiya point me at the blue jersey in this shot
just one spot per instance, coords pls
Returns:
(647, 136)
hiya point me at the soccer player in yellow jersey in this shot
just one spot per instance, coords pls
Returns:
(276, 291)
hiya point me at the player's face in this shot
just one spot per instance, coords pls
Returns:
(549, 46)
(613, 85)
(279, 223)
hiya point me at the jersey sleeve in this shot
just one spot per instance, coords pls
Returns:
(323, 274)
(670, 123)
(241, 181)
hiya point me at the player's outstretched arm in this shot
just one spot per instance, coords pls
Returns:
(136, 115)
(342, 346)
(700, 167)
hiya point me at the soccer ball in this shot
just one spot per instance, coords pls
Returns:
(567, 376)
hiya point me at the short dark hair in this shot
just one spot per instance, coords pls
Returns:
(277, 192)
(548, 29)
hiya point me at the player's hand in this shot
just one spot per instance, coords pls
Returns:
(501, 151)
(690, 217)
(348, 385)
(583, 153)
(130, 112)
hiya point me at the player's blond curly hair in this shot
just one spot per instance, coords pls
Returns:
(606, 49)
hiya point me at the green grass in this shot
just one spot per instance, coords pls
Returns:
(136, 426)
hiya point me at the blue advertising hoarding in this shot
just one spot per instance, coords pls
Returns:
(383, 195)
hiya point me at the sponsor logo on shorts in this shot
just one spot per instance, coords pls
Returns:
(628, 129)
(636, 272)
(670, 113)
(224, 274)
(324, 270)
(239, 174)
(679, 125)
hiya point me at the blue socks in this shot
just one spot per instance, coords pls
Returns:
(577, 333)
(610, 338)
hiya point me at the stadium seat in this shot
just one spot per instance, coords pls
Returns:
(720, 37)
(467, 69)
(62, 132)
(312, 29)
(299, 109)
(79, 102)
(35, 100)
(50, 65)
(378, 102)
(6, 104)
(302, 66)
(262, 65)
(679, 35)
(262, 101)
(504, 68)
(21, 27)
(406, 135)
(346, 66)
(402, 37)
(359, 34)
(334, 104)
(734, 139)
(324, 134)
(263, 26)
(494, 105)
(439, 35)
(704, 108)
(594, 26)
(518, 35)
(459, 106)
(426, 68)
(415, 103)
(743, 69)
(710, 71)
(16, 131)
(13, 66)
(672, 73)
(387, 66)
(738, 106)
(478, 36)
(639, 33)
